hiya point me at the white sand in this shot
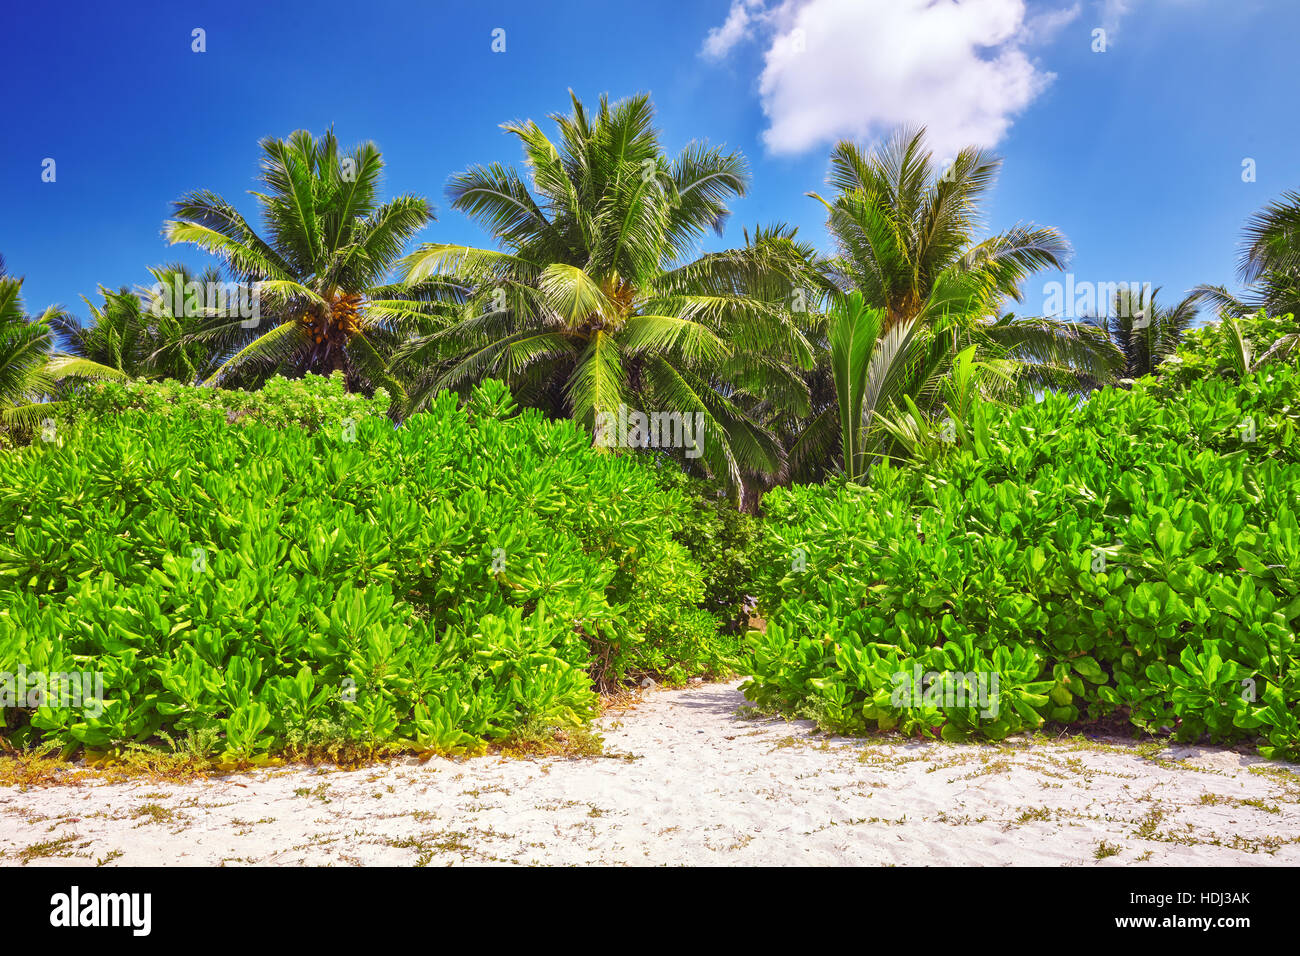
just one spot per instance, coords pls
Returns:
(689, 782)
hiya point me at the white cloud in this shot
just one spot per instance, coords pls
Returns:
(736, 28)
(856, 68)
(1046, 24)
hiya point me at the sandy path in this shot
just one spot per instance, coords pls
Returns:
(689, 781)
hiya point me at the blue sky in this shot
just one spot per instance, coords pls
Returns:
(1135, 153)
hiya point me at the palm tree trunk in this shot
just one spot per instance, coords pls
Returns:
(338, 363)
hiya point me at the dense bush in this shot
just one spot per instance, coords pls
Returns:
(313, 401)
(723, 540)
(1136, 556)
(265, 589)
(1208, 351)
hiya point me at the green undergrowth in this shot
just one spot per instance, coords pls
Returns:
(1135, 557)
(306, 578)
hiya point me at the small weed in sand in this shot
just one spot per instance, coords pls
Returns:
(964, 820)
(990, 768)
(38, 767)
(60, 847)
(1104, 850)
(155, 812)
(1260, 805)
(319, 792)
(429, 846)
(239, 822)
(536, 739)
(1034, 815)
(1148, 826)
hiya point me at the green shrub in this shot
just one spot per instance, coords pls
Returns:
(277, 589)
(1206, 351)
(724, 541)
(311, 401)
(1137, 555)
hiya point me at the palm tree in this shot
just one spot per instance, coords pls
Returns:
(1144, 331)
(31, 370)
(861, 363)
(904, 233)
(904, 229)
(892, 382)
(318, 275)
(145, 333)
(25, 346)
(1269, 266)
(594, 300)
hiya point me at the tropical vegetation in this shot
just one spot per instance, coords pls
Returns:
(318, 274)
(594, 302)
(1136, 555)
(280, 585)
(33, 372)
(347, 490)
(911, 291)
(1145, 332)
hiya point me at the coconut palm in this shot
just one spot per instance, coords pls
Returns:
(901, 226)
(319, 272)
(25, 346)
(1269, 266)
(1270, 269)
(1144, 331)
(905, 238)
(891, 382)
(596, 298)
(31, 369)
(145, 332)
(905, 234)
